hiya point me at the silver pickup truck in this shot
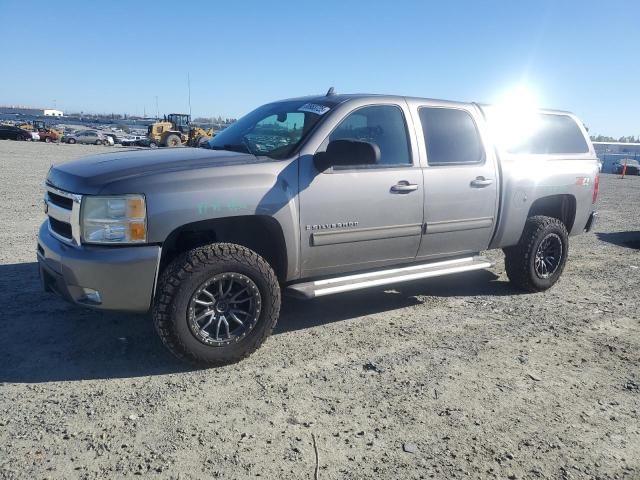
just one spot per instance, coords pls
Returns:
(314, 196)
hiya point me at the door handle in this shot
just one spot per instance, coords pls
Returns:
(481, 182)
(404, 187)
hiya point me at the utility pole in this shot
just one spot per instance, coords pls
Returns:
(189, 89)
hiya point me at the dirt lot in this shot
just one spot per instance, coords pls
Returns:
(444, 378)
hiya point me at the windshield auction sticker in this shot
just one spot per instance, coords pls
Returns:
(314, 108)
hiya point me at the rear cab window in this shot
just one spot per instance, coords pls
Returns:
(553, 134)
(536, 133)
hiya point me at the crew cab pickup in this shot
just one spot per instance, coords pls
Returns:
(314, 196)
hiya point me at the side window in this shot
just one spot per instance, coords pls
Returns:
(383, 125)
(451, 137)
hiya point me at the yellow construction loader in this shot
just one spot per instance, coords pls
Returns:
(47, 134)
(175, 129)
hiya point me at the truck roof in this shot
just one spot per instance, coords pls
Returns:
(337, 99)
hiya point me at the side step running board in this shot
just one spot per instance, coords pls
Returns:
(319, 288)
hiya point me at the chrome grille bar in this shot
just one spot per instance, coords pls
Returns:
(61, 214)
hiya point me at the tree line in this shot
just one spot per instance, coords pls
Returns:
(605, 138)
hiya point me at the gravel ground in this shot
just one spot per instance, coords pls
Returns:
(444, 378)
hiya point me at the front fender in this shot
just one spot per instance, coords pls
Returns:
(269, 189)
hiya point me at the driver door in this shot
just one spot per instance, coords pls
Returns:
(363, 216)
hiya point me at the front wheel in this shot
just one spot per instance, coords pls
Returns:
(172, 140)
(216, 304)
(536, 263)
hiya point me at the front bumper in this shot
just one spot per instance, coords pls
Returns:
(123, 277)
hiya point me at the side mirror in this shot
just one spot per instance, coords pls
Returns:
(347, 152)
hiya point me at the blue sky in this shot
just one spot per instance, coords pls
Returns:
(117, 56)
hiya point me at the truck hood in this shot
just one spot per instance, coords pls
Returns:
(89, 175)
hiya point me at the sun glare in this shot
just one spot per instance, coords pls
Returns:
(513, 119)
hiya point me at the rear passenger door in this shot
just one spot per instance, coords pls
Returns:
(460, 181)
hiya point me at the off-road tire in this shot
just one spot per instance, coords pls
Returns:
(172, 140)
(182, 277)
(520, 259)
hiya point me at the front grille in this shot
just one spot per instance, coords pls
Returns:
(61, 228)
(60, 201)
(63, 210)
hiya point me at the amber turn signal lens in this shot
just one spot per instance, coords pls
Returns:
(136, 208)
(137, 231)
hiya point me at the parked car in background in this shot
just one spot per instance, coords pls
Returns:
(141, 142)
(90, 137)
(10, 132)
(131, 140)
(113, 137)
(633, 166)
(48, 136)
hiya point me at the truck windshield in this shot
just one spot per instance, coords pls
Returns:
(274, 130)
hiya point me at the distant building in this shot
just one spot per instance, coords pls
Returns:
(36, 112)
(610, 152)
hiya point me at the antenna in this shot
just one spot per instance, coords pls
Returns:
(157, 109)
(330, 92)
(189, 88)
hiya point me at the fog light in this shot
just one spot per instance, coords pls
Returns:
(91, 296)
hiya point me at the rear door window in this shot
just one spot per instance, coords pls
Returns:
(451, 136)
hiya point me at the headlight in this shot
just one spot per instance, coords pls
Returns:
(114, 219)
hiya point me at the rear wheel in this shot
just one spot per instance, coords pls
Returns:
(99, 142)
(71, 141)
(47, 139)
(172, 140)
(216, 304)
(537, 262)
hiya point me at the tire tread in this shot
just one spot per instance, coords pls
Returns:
(517, 257)
(194, 260)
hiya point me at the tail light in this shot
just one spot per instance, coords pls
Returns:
(596, 188)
